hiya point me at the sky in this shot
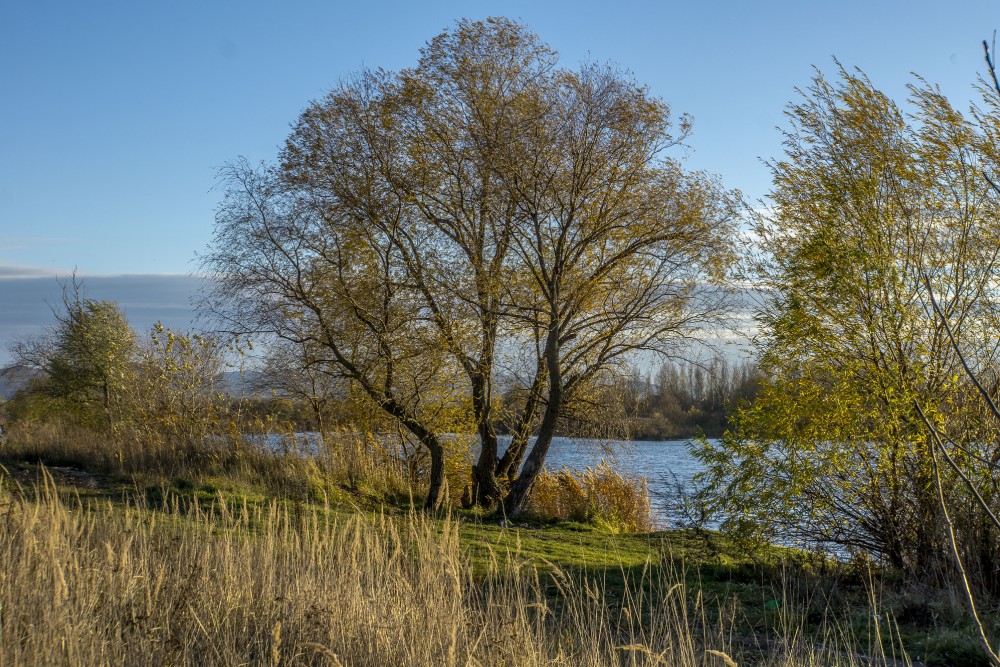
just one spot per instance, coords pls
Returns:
(115, 116)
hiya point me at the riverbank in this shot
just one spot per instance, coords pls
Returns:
(214, 570)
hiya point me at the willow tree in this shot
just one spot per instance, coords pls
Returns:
(435, 140)
(871, 207)
(485, 203)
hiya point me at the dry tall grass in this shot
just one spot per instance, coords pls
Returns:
(95, 584)
(346, 459)
(359, 461)
(601, 495)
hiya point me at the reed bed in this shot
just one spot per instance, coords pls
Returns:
(195, 583)
(600, 495)
(283, 466)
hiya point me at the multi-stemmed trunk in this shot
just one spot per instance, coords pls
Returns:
(517, 499)
(510, 463)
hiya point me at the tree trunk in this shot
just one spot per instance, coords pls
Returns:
(510, 463)
(106, 393)
(422, 433)
(929, 552)
(486, 491)
(511, 460)
(320, 425)
(437, 472)
(517, 500)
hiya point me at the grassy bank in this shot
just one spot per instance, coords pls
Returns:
(87, 580)
(245, 558)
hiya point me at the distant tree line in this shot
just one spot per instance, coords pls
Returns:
(675, 399)
(682, 399)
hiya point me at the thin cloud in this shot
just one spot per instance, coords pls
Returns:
(35, 239)
(20, 272)
(29, 294)
(26, 242)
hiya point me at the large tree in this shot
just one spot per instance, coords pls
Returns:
(484, 205)
(436, 141)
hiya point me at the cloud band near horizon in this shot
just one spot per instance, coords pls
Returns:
(28, 296)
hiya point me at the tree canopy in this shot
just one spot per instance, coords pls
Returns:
(486, 213)
(85, 355)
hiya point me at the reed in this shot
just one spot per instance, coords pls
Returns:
(599, 495)
(357, 463)
(220, 583)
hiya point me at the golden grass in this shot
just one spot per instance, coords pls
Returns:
(599, 495)
(96, 584)
(357, 462)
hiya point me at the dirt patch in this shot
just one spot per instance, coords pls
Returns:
(62, 475)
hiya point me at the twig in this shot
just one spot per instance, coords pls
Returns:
(961, 357)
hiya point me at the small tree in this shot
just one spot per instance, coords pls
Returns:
(85, 356)
(174, 398)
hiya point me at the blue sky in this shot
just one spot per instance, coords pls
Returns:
(116, 115)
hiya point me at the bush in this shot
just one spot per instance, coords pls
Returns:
(598, 495)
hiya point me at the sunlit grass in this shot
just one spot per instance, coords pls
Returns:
(255, 557)
(190, 581)
(598, 495)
